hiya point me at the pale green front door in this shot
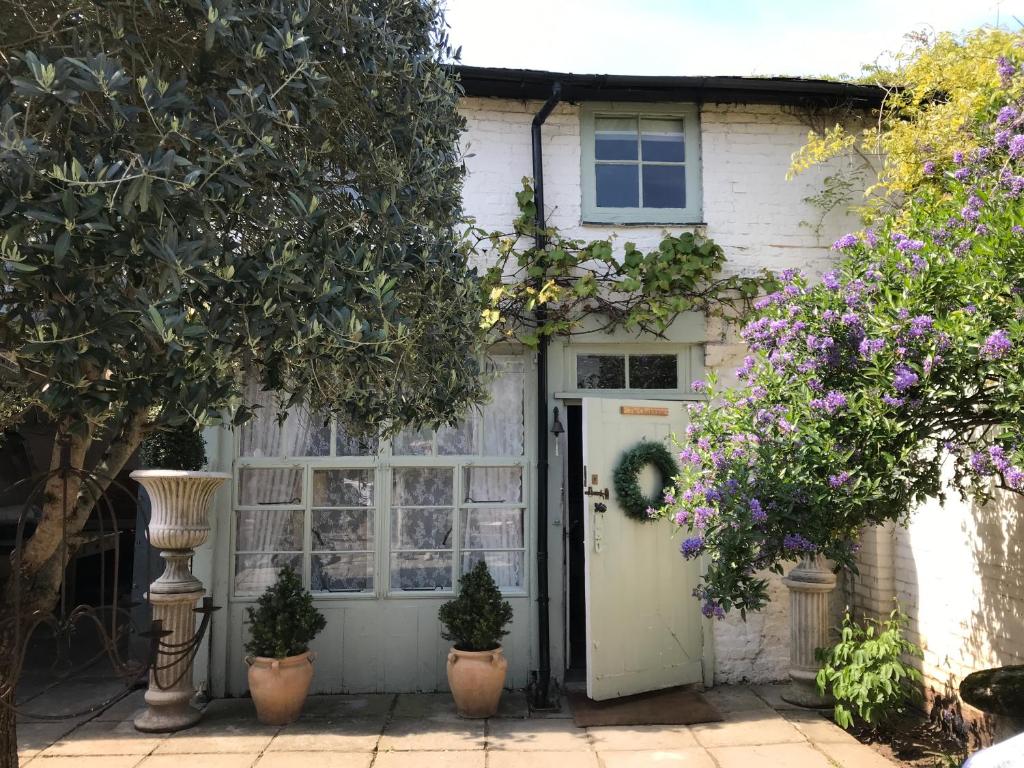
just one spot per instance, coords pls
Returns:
(644, 628)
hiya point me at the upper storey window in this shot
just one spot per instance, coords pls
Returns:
(641, 164)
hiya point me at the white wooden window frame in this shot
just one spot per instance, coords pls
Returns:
(689, 366)
(383, 464)
(692, 214)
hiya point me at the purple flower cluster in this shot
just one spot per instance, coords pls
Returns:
(846, 241)
(757, 513)
(997, 345)
(839, 480)
(794, 542)
(692, 547)
(831, 403)
(904, 378)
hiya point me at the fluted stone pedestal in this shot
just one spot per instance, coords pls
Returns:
(810, 585)
(180, 522)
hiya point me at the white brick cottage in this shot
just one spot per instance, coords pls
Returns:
(382, 532)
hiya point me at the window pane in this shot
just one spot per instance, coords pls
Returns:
(506, 567)
(653, 372)
(343, 488)
(617, 186)
(350, 572)
(261, 530)
(662, 140)
(615, 138)
(413, 442)
(254, 573)
(421, 571)
(262, 487)
(497, 485)
(346, 445)
(422, 486)
(342, 529)
(664, 186)
(601, 371)
(300, 434)
(502, 421)
(421, 528)
(457, 440)
(495, 528)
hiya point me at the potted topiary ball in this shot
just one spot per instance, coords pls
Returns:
(475, 622)
(282, 625)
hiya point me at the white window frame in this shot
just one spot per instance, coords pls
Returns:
(382, 464)
(690, 114)
(689, 365)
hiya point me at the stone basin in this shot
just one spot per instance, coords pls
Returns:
(998, 691)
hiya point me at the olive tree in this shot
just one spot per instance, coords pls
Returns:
(198, 193)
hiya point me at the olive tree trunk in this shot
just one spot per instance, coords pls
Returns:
(35, 588)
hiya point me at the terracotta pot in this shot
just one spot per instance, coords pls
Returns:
(279, 686)
(476, 679)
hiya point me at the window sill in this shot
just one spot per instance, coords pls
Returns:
(614, 223)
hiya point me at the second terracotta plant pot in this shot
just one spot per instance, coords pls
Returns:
(279, 686)
(476, 679)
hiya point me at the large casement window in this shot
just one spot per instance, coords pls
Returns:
(379, 518)
(641, 164)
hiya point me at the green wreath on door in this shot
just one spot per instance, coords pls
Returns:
(627, 475)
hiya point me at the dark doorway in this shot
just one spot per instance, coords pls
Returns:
(574, 543)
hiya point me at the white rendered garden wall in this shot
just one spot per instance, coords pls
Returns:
(958, 572)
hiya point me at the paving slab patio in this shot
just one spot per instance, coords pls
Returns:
(758, 730)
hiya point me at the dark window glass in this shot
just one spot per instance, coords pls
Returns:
(662, 141)
(664, 186)
(653, 372)
(615, 138)
(601, 372)
(617, 186)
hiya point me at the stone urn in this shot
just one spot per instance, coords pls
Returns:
(179, 522)
(477, 679)
(279, 686)
(810, 584)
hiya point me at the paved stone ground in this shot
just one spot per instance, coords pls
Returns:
(423, 731)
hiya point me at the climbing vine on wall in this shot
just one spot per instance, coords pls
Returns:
(574, 286)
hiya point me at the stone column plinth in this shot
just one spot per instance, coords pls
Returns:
(179, 523)
(810, 585)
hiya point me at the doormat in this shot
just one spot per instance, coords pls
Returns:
(673, 706)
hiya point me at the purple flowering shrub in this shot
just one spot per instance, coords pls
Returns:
(859, 388)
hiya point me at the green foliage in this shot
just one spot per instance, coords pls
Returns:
(861, 390)
(633, 501)
(574, 286)
(866, 673)
(284, 620)
(179, 447)
(198, 193)
(936, 87)
(476, 619)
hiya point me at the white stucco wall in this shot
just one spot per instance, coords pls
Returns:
(749, 209)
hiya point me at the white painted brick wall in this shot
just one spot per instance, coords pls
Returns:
(750, 210)
(958, 572)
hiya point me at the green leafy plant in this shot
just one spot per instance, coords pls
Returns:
(865, 672)
(284, 620)
(578, 287)
(863, 389)
(198, 197)
(476, 619)
(179, 447)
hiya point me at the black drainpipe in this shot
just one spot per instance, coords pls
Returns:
(542, 691)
